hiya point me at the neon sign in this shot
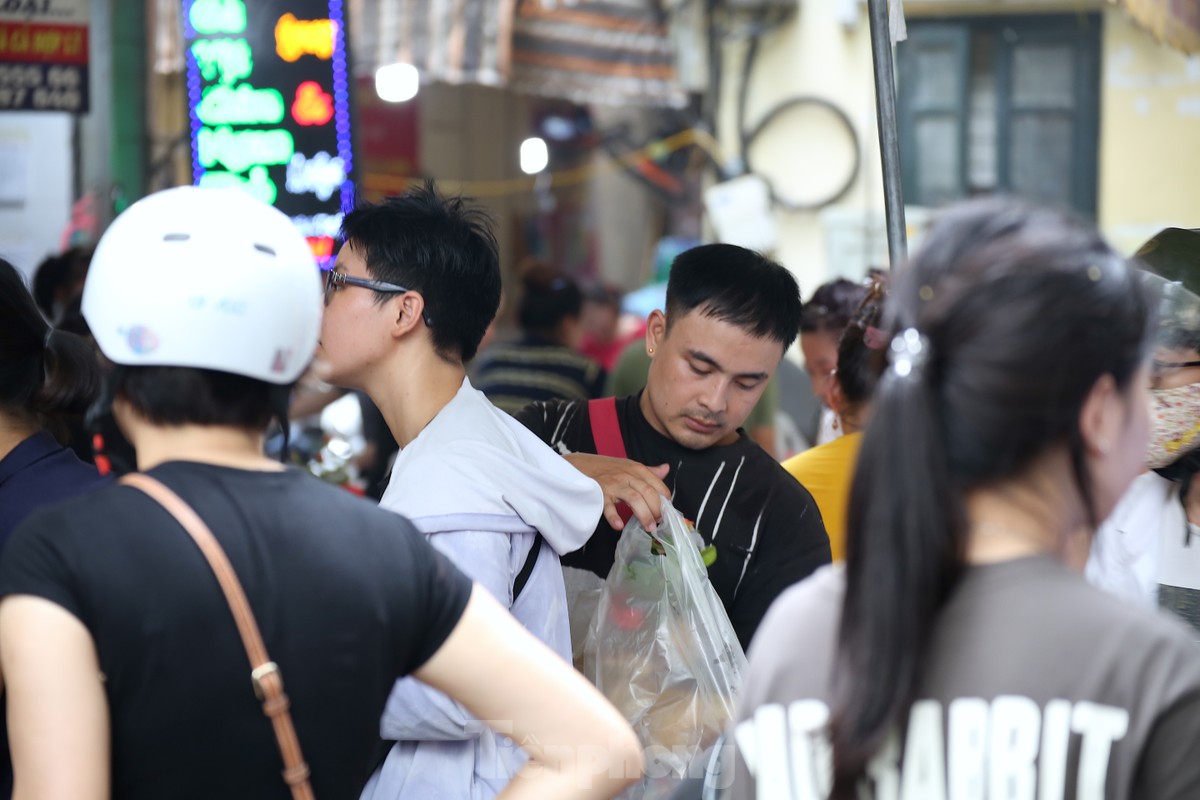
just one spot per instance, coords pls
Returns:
(240, 150)
(312, 105)
(321, 175)
(257, 183)
(295, 38)
(224, 60)
(269, 103)
(244, 105)
(319, 224)
(321, 246)
(218, 16)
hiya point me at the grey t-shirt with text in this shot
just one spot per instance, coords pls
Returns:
(1037, 687)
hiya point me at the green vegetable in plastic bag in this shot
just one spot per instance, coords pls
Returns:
(662, 650)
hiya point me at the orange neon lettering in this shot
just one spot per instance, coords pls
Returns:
(297, 37)
(321, 246)
(312, 106)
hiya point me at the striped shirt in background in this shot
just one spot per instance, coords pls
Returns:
(515, 374)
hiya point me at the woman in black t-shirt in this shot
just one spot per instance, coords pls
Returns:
(124, 671)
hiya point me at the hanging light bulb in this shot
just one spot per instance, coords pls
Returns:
(535, 156)
(397, 83)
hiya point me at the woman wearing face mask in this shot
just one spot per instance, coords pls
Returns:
(1149, 550)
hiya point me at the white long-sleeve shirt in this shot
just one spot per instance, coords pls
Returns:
(480, 487)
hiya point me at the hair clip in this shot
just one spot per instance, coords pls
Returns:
(874, 338)
(910, 351)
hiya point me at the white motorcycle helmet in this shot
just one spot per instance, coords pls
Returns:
(207, 278)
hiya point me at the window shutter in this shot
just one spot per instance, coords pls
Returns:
(1048, 88)
(932, 74)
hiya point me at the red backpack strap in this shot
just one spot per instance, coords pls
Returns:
(606, 431)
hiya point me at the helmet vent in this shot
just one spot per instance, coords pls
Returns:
(262, 248)
(177, 237)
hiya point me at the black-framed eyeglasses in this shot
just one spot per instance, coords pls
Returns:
(335, 280)
(1161, 365)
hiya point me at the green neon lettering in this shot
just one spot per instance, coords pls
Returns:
(258, 184)
(218, 16)
(240, 150)
(244, 105)
(226, 60)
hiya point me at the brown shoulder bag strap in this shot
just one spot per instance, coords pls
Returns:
(264, 673)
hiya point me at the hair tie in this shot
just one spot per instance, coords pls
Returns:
(909, 353)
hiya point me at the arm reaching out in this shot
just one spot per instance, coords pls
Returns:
(629, 482)
(579, 746)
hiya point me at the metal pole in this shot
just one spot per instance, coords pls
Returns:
(889, 135)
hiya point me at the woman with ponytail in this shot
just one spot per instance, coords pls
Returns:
(959, 653)
(46, 376)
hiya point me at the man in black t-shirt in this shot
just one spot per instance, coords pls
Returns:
(730, 316)
(123, 668)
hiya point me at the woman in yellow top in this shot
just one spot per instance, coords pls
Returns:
(826, 470)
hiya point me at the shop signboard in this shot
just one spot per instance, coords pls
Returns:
(44, 55)
(270, 106)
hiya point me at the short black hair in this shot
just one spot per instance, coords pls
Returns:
(832, 307)
(49, 376)
(169, 396)
(548, 297)
(57, 272)
(737, 286)
(442, 247)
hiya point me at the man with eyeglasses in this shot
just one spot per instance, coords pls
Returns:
(1149, 549)
(406, 304)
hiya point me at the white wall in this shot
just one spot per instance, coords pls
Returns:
(35, 185)
(824, 52)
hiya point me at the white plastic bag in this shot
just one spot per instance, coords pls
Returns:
(662, 650)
